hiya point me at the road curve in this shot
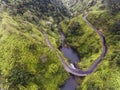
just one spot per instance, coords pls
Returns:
(79, 72)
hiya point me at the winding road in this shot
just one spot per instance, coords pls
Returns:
(76, 71)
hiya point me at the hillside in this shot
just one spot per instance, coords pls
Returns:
(105, 16)
(24, 59)
(28, 29)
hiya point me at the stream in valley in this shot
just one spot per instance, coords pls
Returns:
(72, 55)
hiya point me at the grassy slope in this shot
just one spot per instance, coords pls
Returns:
(21, 42)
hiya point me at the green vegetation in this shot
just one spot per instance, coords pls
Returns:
(113, 5)
(35, 10)
(107, 74)
(26, 62)
(83, 38)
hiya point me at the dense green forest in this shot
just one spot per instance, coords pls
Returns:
(28, 63)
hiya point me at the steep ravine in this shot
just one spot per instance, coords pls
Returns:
(73, 57)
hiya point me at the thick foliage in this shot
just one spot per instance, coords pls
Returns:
(113, 5)
(33, 10)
